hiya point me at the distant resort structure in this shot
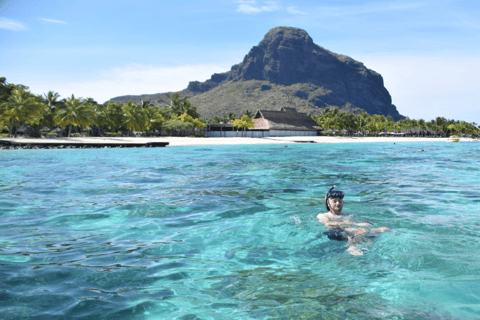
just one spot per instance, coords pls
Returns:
(284, 123)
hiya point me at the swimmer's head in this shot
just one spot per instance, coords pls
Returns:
(334, 195)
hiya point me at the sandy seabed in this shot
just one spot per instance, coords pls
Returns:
(188, 141)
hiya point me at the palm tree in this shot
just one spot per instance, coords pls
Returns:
(230, 116)
(21, 108)
(75, 112)
(145, 104)
(51, 101)
(110, 115)
(91, 101)
(377, 123)
(244, 122)
(136, 118)
(178, 106)
(248, 113)
(361, 120)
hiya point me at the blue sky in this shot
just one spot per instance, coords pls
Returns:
(428, 52)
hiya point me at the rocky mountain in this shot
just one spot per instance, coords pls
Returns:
(287, 69)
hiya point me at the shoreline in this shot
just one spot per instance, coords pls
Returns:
(190, 141)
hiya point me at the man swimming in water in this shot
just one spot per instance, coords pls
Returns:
(339, 224)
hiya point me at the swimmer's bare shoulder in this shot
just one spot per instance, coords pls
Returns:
(322, 217)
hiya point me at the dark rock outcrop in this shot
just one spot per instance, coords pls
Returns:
(286, 69)
(288, 56)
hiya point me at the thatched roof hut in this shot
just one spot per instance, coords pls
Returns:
(24, 129)
(58, 130)
(286, 119)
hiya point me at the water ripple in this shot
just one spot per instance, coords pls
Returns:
(200, 232)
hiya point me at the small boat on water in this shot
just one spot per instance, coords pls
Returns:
(453, 139)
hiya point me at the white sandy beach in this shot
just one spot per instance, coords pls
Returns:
(187, 141)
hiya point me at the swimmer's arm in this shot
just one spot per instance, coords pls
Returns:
(323, 219)
(361, 224)
(380, 230)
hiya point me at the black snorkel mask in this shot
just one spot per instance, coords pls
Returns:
(333, 194)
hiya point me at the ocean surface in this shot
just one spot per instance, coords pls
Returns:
(230, 232)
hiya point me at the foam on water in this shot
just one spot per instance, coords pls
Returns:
(205, 232)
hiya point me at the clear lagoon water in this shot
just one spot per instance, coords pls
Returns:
(229, 232)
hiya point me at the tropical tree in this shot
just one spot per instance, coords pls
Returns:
(230, 116)
(195, 121)
(248, 113)
(184, 122)
(91, 101)
(175, 124)
(6, 89)
(51, 100)
(145, 103)
(361, 120)
(110, 115)
(21, 108)
(136, 118)
(74, 112)
(178, 106)
(156, 117)
(244, 122)
(4, 120)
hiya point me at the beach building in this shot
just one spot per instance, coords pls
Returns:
(284, 123)
(221, 129)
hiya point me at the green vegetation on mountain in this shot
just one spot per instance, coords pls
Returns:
(235, 97)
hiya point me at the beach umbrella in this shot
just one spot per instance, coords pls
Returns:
(58, 130)
(45, 129)
(24, 129)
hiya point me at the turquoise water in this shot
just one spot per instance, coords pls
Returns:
(229, 232)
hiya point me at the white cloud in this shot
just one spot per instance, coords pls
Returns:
(427, 87)
(11, 24)
(52, 21)
(250, 7)
(134, 79)
(293, 10)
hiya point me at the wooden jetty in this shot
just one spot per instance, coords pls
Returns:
(8, 144)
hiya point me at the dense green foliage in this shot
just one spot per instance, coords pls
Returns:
(333, 119)
(244, 122)
(19, 107)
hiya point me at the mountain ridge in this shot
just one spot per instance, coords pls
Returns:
(302, 74)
